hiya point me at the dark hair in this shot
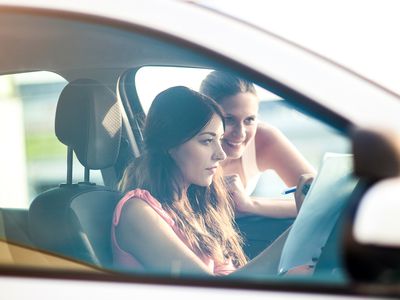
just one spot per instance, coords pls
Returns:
(218, 85)
(204, 214)
(175, 116)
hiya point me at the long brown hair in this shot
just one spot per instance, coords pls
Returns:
(203, 214)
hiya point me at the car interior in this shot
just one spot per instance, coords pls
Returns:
(99, 120)
(81, 211)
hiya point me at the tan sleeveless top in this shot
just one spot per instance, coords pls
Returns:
(250, 168)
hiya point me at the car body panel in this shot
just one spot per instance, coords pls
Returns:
(349, 90)
(96, 41)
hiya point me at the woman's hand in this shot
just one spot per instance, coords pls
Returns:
(243, 202)
(303, 185)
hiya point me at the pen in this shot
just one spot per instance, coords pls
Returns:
(289, 190)
(293, 189)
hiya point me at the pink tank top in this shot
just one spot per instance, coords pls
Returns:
(126, 261)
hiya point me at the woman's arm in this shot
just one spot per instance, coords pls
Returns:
(280, 208)
(275, 151)
(143, 233)
(269, 207)
(265, 263)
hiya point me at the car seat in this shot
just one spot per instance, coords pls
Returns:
(74, 219)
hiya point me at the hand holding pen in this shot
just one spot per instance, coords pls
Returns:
(301, 190)
(293, 189)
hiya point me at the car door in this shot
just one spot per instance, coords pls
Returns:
(314, 102)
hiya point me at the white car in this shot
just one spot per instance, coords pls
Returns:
(76, 81)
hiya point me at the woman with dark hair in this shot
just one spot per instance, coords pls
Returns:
(253, 147)
(176, 216)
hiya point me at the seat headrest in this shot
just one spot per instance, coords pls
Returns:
(88, 119)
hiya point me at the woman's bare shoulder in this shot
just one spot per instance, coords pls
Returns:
(270, 143)
(266, 135)
(136, 203)
(138, 210)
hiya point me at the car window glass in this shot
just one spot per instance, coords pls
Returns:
(312, 137)
(316, 141)
(34, 158)
(190, 77)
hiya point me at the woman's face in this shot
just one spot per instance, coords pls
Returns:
(240, 124)
(199, 157)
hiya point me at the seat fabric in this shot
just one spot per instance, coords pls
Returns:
(74, 219)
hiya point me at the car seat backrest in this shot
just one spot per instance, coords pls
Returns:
(88, 120)
(74, 219)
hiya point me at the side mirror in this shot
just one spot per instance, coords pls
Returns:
(372, 234)
(374, 254)
(377, 220)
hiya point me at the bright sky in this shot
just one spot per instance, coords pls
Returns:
(360, 34)
(165, 77)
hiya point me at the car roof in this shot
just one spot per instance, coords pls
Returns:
(48, 50)
(359, 35)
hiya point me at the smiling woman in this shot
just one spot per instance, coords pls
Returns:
(253, 147)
